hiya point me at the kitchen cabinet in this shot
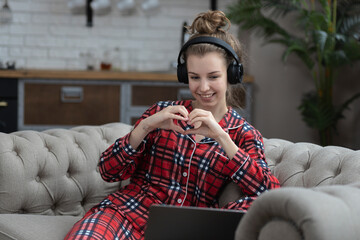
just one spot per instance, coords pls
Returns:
(70, 104)
(64, 98)
(48, 103)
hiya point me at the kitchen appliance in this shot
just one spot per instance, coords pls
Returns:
(8, 105)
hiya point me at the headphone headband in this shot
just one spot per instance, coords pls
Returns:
(234, 71)
(212, 40)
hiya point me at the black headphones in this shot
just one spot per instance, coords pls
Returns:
(235, 70)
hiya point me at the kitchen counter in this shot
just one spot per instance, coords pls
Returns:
(90, 75)
(94, 75)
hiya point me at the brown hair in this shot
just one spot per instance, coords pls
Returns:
(216, 24)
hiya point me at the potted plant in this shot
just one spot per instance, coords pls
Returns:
(330, 32)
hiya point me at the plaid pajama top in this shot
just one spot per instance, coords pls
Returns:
(171, 168)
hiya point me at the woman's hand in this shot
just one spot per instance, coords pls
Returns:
(204, 124)
(166, 119)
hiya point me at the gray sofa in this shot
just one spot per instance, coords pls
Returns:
(49, 179)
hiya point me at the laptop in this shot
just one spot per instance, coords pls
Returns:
(173, 222)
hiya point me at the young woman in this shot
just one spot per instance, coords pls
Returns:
(184, 152)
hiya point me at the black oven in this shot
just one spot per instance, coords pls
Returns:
(8, 105)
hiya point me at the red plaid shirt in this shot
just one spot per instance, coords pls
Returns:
(171, 168)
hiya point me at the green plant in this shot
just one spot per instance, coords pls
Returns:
(330, 39)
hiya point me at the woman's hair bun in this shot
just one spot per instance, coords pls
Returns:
(209, 22)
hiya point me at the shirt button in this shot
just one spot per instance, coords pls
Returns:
(192, 145)
(184, 174)
(179, 200)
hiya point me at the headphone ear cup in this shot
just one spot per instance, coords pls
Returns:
(235, 73)
(182, 73)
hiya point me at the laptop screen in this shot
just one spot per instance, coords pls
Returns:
(174, 222)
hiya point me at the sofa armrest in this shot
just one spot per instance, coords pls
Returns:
(329, 212)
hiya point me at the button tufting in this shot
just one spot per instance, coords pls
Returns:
(338, 171)
(37, 178)
(307, 166)
(53, 207)
(47, 148)
(68, 174)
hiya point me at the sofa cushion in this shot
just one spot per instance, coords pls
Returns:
(55, 172)
(34, 227)
(310, 165)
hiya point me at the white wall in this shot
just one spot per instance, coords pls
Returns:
(44, 34)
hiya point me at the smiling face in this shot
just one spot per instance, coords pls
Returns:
(208, 81)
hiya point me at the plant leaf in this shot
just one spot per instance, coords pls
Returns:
(336, 58)
(352, 49)
(315, 113)
(248, 14)
(320, 38)
(349, 25)
(339, 110)
(280, 8)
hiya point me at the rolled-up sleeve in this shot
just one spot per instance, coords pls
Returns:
(249, 170)
(119, 161)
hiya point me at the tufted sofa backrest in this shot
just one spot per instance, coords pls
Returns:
(55, 172)
(309, 165)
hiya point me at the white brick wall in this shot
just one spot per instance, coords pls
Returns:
(45, 35)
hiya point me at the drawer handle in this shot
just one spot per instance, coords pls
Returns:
(3, 104)
(72, 94)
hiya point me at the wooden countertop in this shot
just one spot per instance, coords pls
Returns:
(94, 75)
